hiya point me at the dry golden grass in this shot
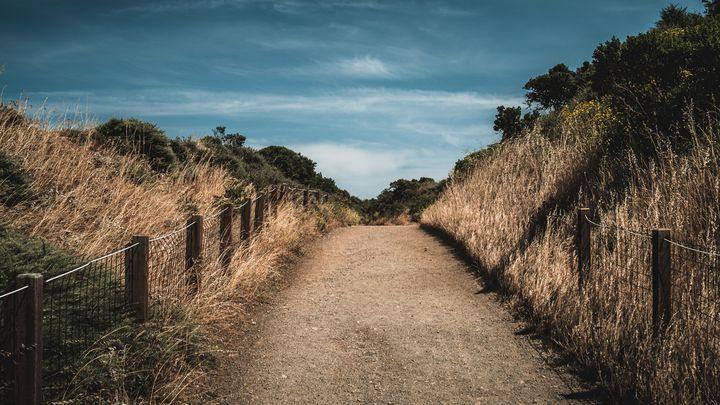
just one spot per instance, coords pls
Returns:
(90, 201)
(515, 214)
(224, 294)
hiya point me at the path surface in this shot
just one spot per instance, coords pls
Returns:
(388, 315)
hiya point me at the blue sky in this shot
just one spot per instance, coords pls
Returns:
(371, 90)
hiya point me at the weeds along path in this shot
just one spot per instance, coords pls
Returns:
(387, 315)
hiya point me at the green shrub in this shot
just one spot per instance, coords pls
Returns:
(130, 136)
(292, 164)
(653, 79)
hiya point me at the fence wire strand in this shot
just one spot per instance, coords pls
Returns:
(696, 289)
(619, 281)
(78, 307)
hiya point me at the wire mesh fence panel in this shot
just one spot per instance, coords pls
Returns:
(7, 340)
(696, 290)
(236, 229)
(79, 307)
(620, 282)
(211, 238)
(167, 277)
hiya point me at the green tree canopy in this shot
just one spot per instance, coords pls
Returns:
(510, 122)
(553, 89)
(674, 16)
(712, 7)
(507, 121)
(292, 164)
(652, 80)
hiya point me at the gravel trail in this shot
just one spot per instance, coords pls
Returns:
(387, 315)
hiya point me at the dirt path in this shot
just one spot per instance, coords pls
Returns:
(387, 315)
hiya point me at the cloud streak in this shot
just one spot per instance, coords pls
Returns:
(170, 102)
(364, 67)
(362, 137)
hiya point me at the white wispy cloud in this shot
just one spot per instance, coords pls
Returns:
(364, 67)
(347, 160)
(362, 137)
(172, 102)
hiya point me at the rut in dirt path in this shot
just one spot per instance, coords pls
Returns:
(388, 315)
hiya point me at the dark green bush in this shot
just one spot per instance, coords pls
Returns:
(131, 136)
(653, 79)
(292, 164)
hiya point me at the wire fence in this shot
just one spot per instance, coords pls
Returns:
(78, 307)
(628, 282)
(82, 304)
(7, 344)
(166, 271)
(696, 289)
(618, 285)
(211, 238)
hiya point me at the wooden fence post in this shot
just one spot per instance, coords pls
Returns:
(306, 198)
(28, 339)
(193, 251)
(259, 213)
(226, 236)
(245, 224)
(661, 279)
(583, 245)
(136, 277)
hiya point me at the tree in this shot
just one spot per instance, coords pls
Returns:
(233, 141)
(652, 82)
(404, 196)
(292, 164)
(674, 16)
(553, 89)
(712, 7)
(606, 62)
(508, 122)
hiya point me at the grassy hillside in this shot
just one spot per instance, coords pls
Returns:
(270, 165)
(634, 136)
(67, 196)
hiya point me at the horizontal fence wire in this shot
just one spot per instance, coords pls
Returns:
(696, 290)
(211, 238)
(166, 271)
(8, 310)
(79, 306)
(620, 278)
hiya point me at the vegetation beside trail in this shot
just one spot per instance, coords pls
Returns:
(402, 202)
(68, 194)
(634, 135)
